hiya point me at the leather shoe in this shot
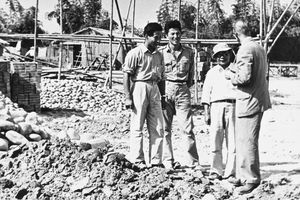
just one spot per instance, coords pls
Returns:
(247, 188)
(214, 176)
(140, 165)
(234, 181)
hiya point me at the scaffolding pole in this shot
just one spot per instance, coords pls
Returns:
(110, 43)
(35, 30)
(277, 22)
(197, 19)
(261, 22)
(133, 18)
(283, 28)
(60, 43)
(179, 10)
(196, 56)
(269, 24)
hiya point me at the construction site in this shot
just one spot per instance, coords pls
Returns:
(65, 129)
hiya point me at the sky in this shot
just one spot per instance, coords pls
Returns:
(145, 11)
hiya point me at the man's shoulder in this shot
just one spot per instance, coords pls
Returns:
(215, 69)
(135, 50)
(187, 48)
(162, 48)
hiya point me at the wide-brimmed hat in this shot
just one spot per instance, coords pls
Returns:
(219, 48)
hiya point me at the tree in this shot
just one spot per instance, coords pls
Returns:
(168, 10)
(165, 13)
(212, 22)
(247, 10)
(18, 20)
(27, 23)
(77, 15)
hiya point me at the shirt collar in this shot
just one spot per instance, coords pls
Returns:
(247, 39)
(169, 49)
(219, 67)
(145, 49)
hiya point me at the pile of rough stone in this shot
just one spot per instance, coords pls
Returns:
(80, 95)
(60, 169)
(18, 126)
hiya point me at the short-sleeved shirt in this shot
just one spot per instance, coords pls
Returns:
(216, 87)
(178, 67)
(144, 65)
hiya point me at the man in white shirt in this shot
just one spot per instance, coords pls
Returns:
(218, 97)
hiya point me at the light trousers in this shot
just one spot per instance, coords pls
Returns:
(223, 127)
(147, 106)
(178, 103)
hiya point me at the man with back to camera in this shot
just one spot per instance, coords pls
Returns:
(250, 76)
(143, 67)
(179, 73)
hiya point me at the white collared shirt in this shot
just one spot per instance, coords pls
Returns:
(216, 87)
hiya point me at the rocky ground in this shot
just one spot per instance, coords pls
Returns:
(84, 159)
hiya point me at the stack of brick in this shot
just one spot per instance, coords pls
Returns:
(5, 78)
(25, 85)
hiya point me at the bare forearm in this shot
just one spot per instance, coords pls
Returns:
(126, 85)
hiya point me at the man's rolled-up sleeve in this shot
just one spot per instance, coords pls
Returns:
(129, 65)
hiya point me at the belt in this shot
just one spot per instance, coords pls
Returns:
(225, 101)
(177, 81)
(146, 81)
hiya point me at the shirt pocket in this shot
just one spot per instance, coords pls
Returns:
(168, 67)
(184, 66)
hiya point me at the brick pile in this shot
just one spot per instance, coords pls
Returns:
(5, 78)
(25, 87)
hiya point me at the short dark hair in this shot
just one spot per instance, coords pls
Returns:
(150, 28)
(172, 24)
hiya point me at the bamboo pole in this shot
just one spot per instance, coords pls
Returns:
(110, 43)
(179, 10)
(106, 39)
(196, 75)
(197, 19)
(283, 28)
(279, 19)
(196, 57)
(265, 18)
(123, 33)
(120, 19)
(60, 43)
(261, 22)
(35, 30)
(133, 18)
(269, 25)
(271, 16)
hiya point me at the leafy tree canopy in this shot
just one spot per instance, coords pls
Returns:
(80, 14)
